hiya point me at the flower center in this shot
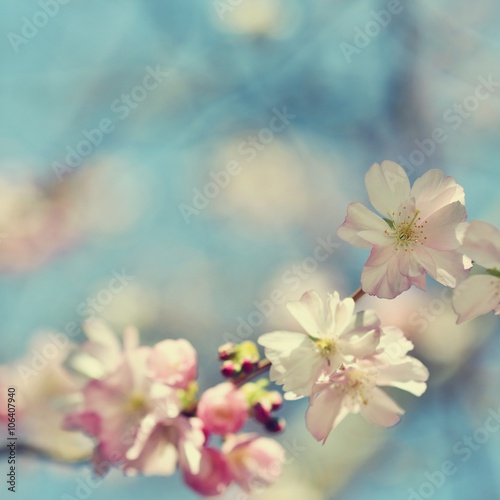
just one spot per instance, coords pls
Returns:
(136, 403)
(326, 347)
(358, 385)
(406, 229)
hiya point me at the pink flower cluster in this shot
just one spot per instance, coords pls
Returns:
(421, 230)
(144, 416)
(340, 362)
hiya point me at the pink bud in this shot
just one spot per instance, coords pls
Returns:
(223, 409)
(276, 400)
(228, 369)
(275, 425)
(261, 412)
(227, 351)
(247, 365)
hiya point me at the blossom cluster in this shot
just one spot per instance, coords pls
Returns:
(340, 361)
(142, 409)
(421, 230)
(138, 408)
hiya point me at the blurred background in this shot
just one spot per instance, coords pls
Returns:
(207, 151)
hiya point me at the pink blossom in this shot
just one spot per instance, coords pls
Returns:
(334, 334)
(223, 409)
(213, 476)
(253, 461)
(355, 387)
(163, 443)
(173, 362)
(480, 294)
(415, 234)
(115, 406)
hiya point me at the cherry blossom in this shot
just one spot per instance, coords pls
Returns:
(480, 293)
(253, 461)
(415, 235)
(173, 362)
(355, 387)
(223, 409)
(333, 334)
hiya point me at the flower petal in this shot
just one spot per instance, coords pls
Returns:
(387, 185)
(381, 410)
(440, 229)
(323, 412)
(482, 244)
(445, 267)
(476, 296)
(362, 227)
(341, 312)
(309, 311)
(434, 190)
(381, 275)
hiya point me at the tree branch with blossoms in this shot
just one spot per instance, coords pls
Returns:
(140, 405)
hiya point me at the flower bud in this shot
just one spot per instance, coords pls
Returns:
(275, 424)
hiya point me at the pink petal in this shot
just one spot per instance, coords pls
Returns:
(482, 244)
(381, 275)
(434, 190)
(440, 228)
(476, 296)
(362, 228)
(86, 421)
(323, 412)
(173, 362)
(445, 267)
(387, 185)
(381, 410)
(213, 477)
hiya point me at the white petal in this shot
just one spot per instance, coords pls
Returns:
(295, 361)
(381, 410)
(440, 229)
(310, 313)
(434, 190)
(387, 185)
(476, 296)
(323, 412)
(361, 347)
(362, 228)
(341, 312)
(283, 342)
(445, 267)
(482, 244)
(408, 375)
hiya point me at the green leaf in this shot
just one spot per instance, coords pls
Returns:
(389, 223)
